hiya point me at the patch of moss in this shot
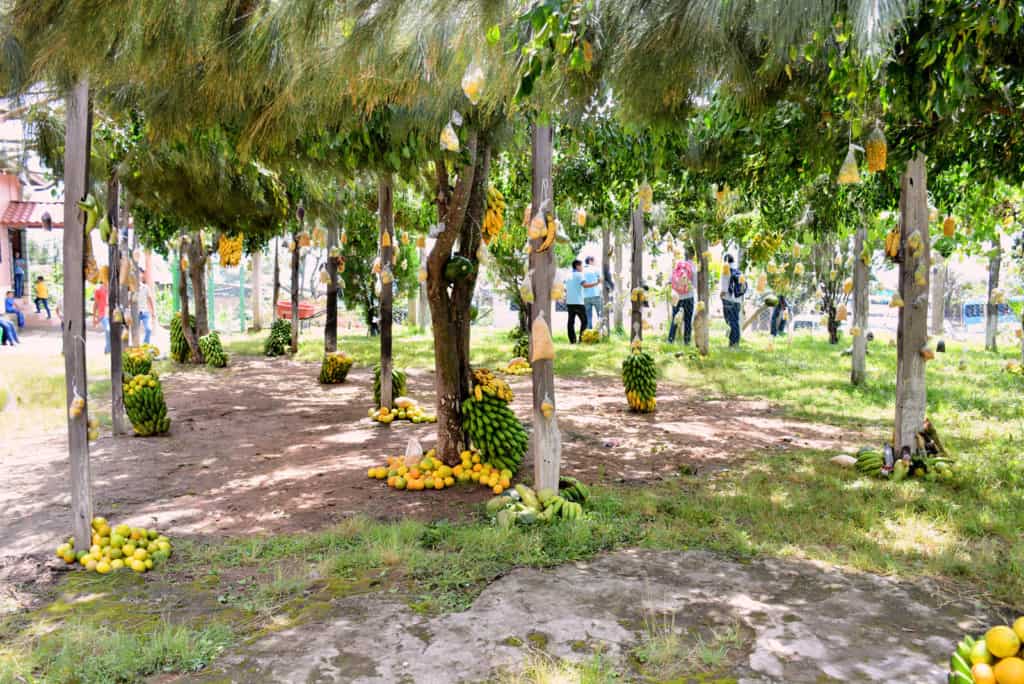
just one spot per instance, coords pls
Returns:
(538, 640)
(513, 641)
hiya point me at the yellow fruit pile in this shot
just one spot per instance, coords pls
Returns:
(590, 336)
(230, 250)
(334, 368)
(996, 658)
(494, 218)
(404, 408)
(430, 473)
(517, 366)
(115, 548)
(485, 382)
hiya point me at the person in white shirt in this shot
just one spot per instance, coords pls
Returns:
(732, 288)
(147, 306)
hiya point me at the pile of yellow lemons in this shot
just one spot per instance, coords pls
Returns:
(430, 473)
(116, 548)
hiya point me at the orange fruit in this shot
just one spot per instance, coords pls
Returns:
(391, 481)
(449, 481)
(1002, 642)
(1009, 671)
(477, 467)
(438, 483)
(497, 489)
(983, 674)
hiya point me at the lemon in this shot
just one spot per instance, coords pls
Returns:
(1018, 628)
(1009, 671)
(138, 566)
(983, 674)
(980, 653)
(116, 564)
(1002, 642)
(140, 554)
(90, 564)
(103, 567)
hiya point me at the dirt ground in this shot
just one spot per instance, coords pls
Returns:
(261, 447)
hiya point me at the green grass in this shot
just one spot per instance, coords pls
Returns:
(37, 382)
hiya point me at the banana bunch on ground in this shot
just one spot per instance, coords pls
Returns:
(521, 343)
(116, 548)
(495, 431)
(279, 339)
(212, 350)
(179, 346)
(590, 336)
(144, 403)
(640, 378)
(230, 250)
(892, 243)
(485, 382)
(139, 360)
(398, 382)
(494, 218)
(571, 489)
(522, 505)
(518, 366)
(334, 368)
(930, 468)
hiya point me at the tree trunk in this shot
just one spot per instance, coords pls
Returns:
(277, 278)
(938, 297)
(912, 330)
(256, 264)
(619, 293)
(636, 319)
(833, 324)
(186, 327)
(460, 210)
(386, 215)
(295, 288)
(209, 291)
(995, 261)
(77, 138)
(197, 274)
(858, 359)
(331, 321)
(176, 277)
(606, 253)
(701, 319)
(114, 304)
(241, 294)
(546, 440)
(422, 299)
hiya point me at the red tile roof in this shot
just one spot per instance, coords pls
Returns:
(30, 214)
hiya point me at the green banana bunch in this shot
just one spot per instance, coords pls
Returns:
(144, 403)
(398, 383)
(869, 462)
(334, 368)
(640, 378)
(960, 662)
(494, 429)
(571, 489)
(213, 351)
(179, 346)
(279, 339)
(92, 211)
(558, 507)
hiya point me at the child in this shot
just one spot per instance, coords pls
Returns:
(11, 307)
(42, 297)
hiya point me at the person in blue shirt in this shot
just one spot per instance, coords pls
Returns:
(574, 286)
(12, 308)
(592, 295)
(19, 275)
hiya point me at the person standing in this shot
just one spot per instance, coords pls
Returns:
(11, 307)
(574, 285)
(732, 288)
(100, 314)
(684, 285)
(8, 333)
(778, 317)
(146, 304)
(19, 275)
(592, 295)
(42, 297)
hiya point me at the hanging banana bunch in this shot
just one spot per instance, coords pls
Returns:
(230, 250)
(494, 218)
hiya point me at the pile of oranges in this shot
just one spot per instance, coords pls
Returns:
(429, 472)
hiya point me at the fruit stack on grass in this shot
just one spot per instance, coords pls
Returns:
(996, 658)
(491, 425)
(117, 548)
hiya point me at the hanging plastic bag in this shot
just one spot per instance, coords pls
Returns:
(581, 217)
(473, 82)
(645, 197)
(413, 451)
(557, 292)
(526, 288)
(449, 139)
(421, 242)
(538, 229)
(849, 174)
(540, 340)
(422, 275)
(547, 407)
(876, 150)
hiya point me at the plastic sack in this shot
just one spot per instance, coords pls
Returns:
(422, 275)
(413, 451)
(581, 217)
(473, 83)
(449, 139)
(849, 174)
(876, 149)
(526, 288)
(538, 229)
(542, 346)
(421, 242)
(557, 292)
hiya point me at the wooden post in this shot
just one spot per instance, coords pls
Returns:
(331, 322)
(301, 214)
(114, 304)
(211, 303)
(241, 294)
(938, 297)
(546, 440)
(636, 320)
(858, 358)
(619, 283)
(606, 253)
(256, 264)
(386, 214)
(702, 319)
(77, 141)
(912, 329)
(995, 260)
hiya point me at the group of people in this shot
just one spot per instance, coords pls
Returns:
(41, 298)
(101, 309)
(583, 297)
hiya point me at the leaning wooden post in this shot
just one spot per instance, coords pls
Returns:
(300, 213)
(858, 358)
(331, 321)
(77, 141)
(114, 308)
(606, 254)
(546, 441)
(385, 209)
(701, 319)
(995, 259)
(912, 329)
(636, 320)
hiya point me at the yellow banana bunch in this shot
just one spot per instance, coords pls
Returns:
(487, 383)
(892, 243)
(494, 218)
(230, 250)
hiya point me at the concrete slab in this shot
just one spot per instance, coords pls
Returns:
(797, 622)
